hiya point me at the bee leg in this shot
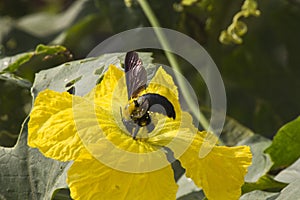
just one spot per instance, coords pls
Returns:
(71, 90)
(128, 124)
(136, 130)
(150, 127)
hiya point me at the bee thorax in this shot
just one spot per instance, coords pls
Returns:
(137, 107)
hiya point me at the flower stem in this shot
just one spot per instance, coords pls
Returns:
(172, 60)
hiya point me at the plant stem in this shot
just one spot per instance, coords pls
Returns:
(172, 60)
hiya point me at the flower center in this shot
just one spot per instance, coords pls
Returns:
(136, 115)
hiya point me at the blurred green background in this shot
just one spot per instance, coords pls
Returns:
(261, 75)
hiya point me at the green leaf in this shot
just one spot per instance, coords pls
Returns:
(285, 148)
(6, 26)
(44, 24)
(6, 65)
(290, 174)
(13, 40)
(188, 190)
(61, 194)
(234, 132)
(42, 57)
(18, 62)
(20, 68)
(7, 138)
(7, 61)
(78, 32)
(188, 2)
(83, 75)
(15, 104)
(193, 196)
(266, 183)
(261, 162)
(16, 80)
(23, 34)
(291, 191)
(27, 174)
(257, 194)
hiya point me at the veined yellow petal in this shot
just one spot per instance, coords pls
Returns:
(175, 134)
(90, 179)
(59, 121)
(102, 94)
(162, 83)
(110, 164)
(51, 126)
(162, 78)
(107, 140)
(221, 172)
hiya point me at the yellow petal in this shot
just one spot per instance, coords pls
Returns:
(221, 172)
(168, 130)
(175, 134)
(162, 83)
(90, 179)
(103, 133)
(102, 94)
(58, 119)
(51, 127)
(109, 142)
(162, 78)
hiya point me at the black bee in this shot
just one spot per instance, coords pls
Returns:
(137, 111)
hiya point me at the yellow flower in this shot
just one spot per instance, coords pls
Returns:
(110, 164)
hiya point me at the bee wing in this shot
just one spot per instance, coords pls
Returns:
(136, 75)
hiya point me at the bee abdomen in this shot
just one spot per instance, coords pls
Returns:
(168, 108)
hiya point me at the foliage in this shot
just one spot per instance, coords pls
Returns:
(282, 154)
(260, 75)
(238, 28)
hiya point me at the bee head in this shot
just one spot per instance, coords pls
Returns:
(136, 108)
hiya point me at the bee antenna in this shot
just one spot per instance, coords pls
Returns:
(121, 112)
(136, 130)
(136, 103)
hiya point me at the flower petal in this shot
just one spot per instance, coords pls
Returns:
(103, 136)
(162, 83)
(175, 134)
(56, 118)
(90, 179)
(221, 172)
(103, 93)
(51, 127)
